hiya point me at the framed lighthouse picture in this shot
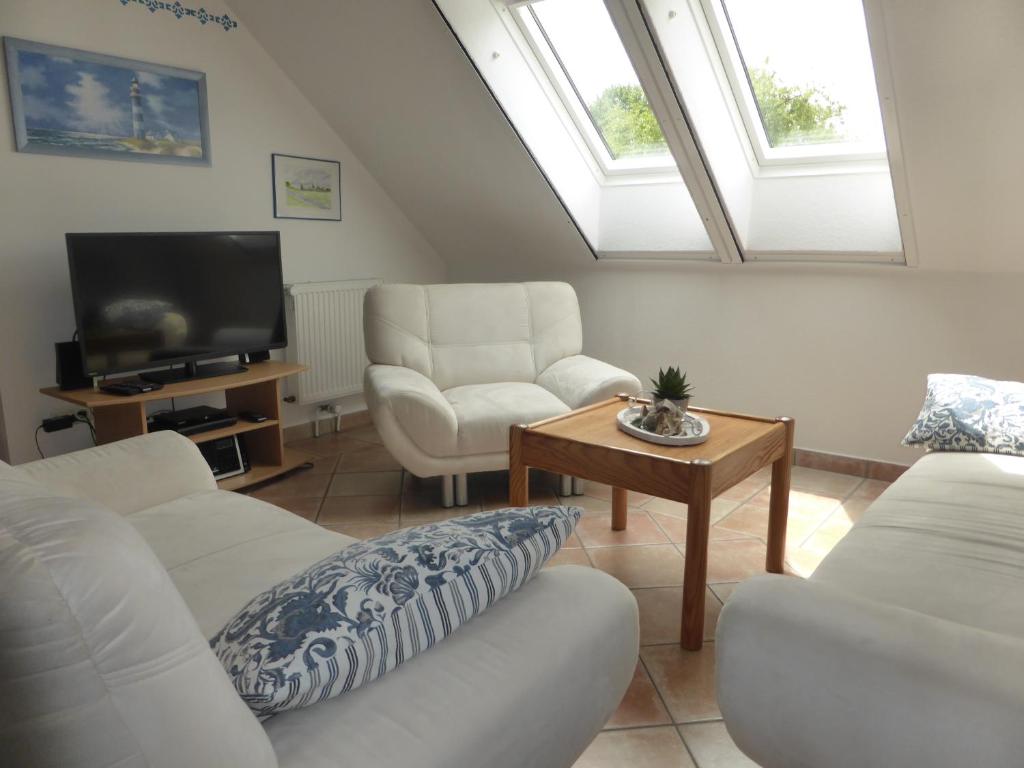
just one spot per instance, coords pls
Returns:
(70, 102)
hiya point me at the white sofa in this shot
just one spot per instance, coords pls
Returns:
(454, 366)
(116, 564)
(905, 648)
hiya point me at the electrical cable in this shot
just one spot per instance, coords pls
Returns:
(40, 450)
(92, 429)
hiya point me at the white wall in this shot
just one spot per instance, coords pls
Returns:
(254, 110)
(843, 350)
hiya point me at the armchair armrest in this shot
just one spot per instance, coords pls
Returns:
(809, 675)
(128, 475)
(580, 380)
(416, 405)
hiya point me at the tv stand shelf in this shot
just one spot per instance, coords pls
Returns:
(237, 428)
(258, 389)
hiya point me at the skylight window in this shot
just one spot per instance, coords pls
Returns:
(738, 130)
(588, 65)
(803, 77)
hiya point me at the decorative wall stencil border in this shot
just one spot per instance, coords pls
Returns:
(180, 11)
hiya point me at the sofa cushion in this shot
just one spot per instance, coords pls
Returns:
(969, 413)
(946, 539)
(472, 333)
(101, 662)
(222, 549)
(480, 334)
(486, 411)
(526, 684)
(354, 616)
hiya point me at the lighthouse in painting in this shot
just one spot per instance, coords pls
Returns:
(138, 124)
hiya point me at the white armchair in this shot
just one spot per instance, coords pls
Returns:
(454, 366)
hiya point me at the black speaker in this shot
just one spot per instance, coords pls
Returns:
(70, 374)
(247, 358)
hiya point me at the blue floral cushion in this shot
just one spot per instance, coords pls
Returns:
(969, 413)
(357, 614)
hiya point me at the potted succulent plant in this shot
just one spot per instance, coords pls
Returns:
(672, 385)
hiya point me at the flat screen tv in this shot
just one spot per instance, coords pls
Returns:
(146, 300)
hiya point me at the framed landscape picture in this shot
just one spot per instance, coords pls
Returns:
(306, 188)
(70, 102)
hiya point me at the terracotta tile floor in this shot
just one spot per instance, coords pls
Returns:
(669, 718)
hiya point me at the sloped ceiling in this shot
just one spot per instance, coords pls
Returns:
(957, 70)
(392, 80)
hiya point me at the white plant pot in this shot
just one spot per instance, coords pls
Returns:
(681, 404)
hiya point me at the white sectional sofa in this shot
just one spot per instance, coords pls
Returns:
(116, 564)
(905, 648)
(454, 366)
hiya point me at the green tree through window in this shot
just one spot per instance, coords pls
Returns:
(790, 114)
(795, 114)
(626, 122)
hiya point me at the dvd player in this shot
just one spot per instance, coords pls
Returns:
(193, 421)
(207, 426)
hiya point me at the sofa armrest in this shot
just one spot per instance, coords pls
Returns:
(809, 676)
(580, 380)
(129, 475)
(417, 406)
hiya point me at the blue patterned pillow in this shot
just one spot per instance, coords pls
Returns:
(357, 614)
(969, 413)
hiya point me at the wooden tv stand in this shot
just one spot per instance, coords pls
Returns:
(258, 389)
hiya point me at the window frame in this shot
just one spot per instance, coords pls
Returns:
(723, 36)
(563, 91)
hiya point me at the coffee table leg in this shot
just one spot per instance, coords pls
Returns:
(518, 473)
(778, 504)
(695, 565)
(620, 500)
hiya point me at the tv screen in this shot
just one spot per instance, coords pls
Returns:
(153, 299)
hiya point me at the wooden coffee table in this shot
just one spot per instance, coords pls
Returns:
(588, 444)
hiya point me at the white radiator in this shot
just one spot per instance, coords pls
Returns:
(326, 333)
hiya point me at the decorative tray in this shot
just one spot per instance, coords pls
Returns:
(697, 429)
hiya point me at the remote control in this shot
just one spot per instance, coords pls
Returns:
(127, 388)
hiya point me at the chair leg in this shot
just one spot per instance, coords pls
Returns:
(461, 490)
(565, 485)
(577, 487)
(447, 491)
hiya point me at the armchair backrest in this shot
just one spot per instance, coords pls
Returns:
(472, 333)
